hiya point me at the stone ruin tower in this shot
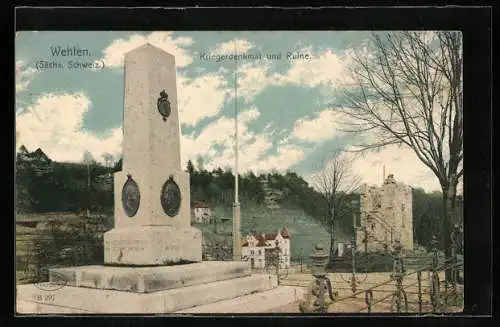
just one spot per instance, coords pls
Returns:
(385, 215)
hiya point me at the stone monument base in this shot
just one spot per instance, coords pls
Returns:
(142, 290)
(148, 279)
(152, 245)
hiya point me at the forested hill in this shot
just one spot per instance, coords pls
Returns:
(48, 186)
(43, 185)
(272, 189)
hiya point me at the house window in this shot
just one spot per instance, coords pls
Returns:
(251, 251)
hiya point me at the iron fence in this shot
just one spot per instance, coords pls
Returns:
(398, 293)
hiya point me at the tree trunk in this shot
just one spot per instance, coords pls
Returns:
(449, 197)
(332, 244)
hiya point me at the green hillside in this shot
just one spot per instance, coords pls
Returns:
(305, 231)
(45, 186)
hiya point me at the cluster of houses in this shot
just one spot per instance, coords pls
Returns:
(264, 249)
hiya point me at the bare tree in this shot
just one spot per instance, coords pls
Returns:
(88, 160)
(108, 158)
(335, 182)
(407, 90)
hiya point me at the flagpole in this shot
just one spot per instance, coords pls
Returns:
(236, 205)
(88, 189)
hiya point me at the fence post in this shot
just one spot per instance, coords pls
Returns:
(435, 275)
(445, 295)
(399, 296)
(419, 280)
(454, 257)
(353, 275)
(321, 281)
(300, 260)
(454, 261)
(369, 300)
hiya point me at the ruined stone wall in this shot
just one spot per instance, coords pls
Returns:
(385, 215)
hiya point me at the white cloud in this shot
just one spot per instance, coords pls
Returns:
(399, 161)
(320, 128)
(325, 68)
(115, 52)
(287, 156)
(54, 123)
(252, 146)
(24, 75)
(218, 133)
(201, 97)
(253, 78)
(242, 46)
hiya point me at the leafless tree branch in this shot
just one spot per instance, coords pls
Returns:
(408, 91)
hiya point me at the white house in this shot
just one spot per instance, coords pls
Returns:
(259, 247)
(203, 213)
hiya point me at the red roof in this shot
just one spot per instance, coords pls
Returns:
(270, 236)
(285, 233)
(261, 239)
(201, 205)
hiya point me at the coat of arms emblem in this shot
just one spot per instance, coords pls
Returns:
(164, 105)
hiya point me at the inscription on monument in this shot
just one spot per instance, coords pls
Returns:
(129, 245)
(171, 197)
(135, 245)
(131, 197)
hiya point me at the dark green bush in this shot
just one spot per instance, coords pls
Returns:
(64, 246)
(365, 262)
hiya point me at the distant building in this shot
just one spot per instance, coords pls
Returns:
(341, 249)
(29, 164)
(36, 161)
(203, 213)
(385, 215)
(258, 249)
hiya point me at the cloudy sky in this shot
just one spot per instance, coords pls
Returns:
(286, 107)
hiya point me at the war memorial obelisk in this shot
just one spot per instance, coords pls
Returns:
(153, 256)
(152, 197)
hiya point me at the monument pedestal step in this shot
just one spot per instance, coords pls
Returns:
(254, 303)
(40, 299)
(149, 279)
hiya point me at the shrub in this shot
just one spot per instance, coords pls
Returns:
(365, 262)
(65, 246)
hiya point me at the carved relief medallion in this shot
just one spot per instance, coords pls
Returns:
(131, 197)
(171, 197)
